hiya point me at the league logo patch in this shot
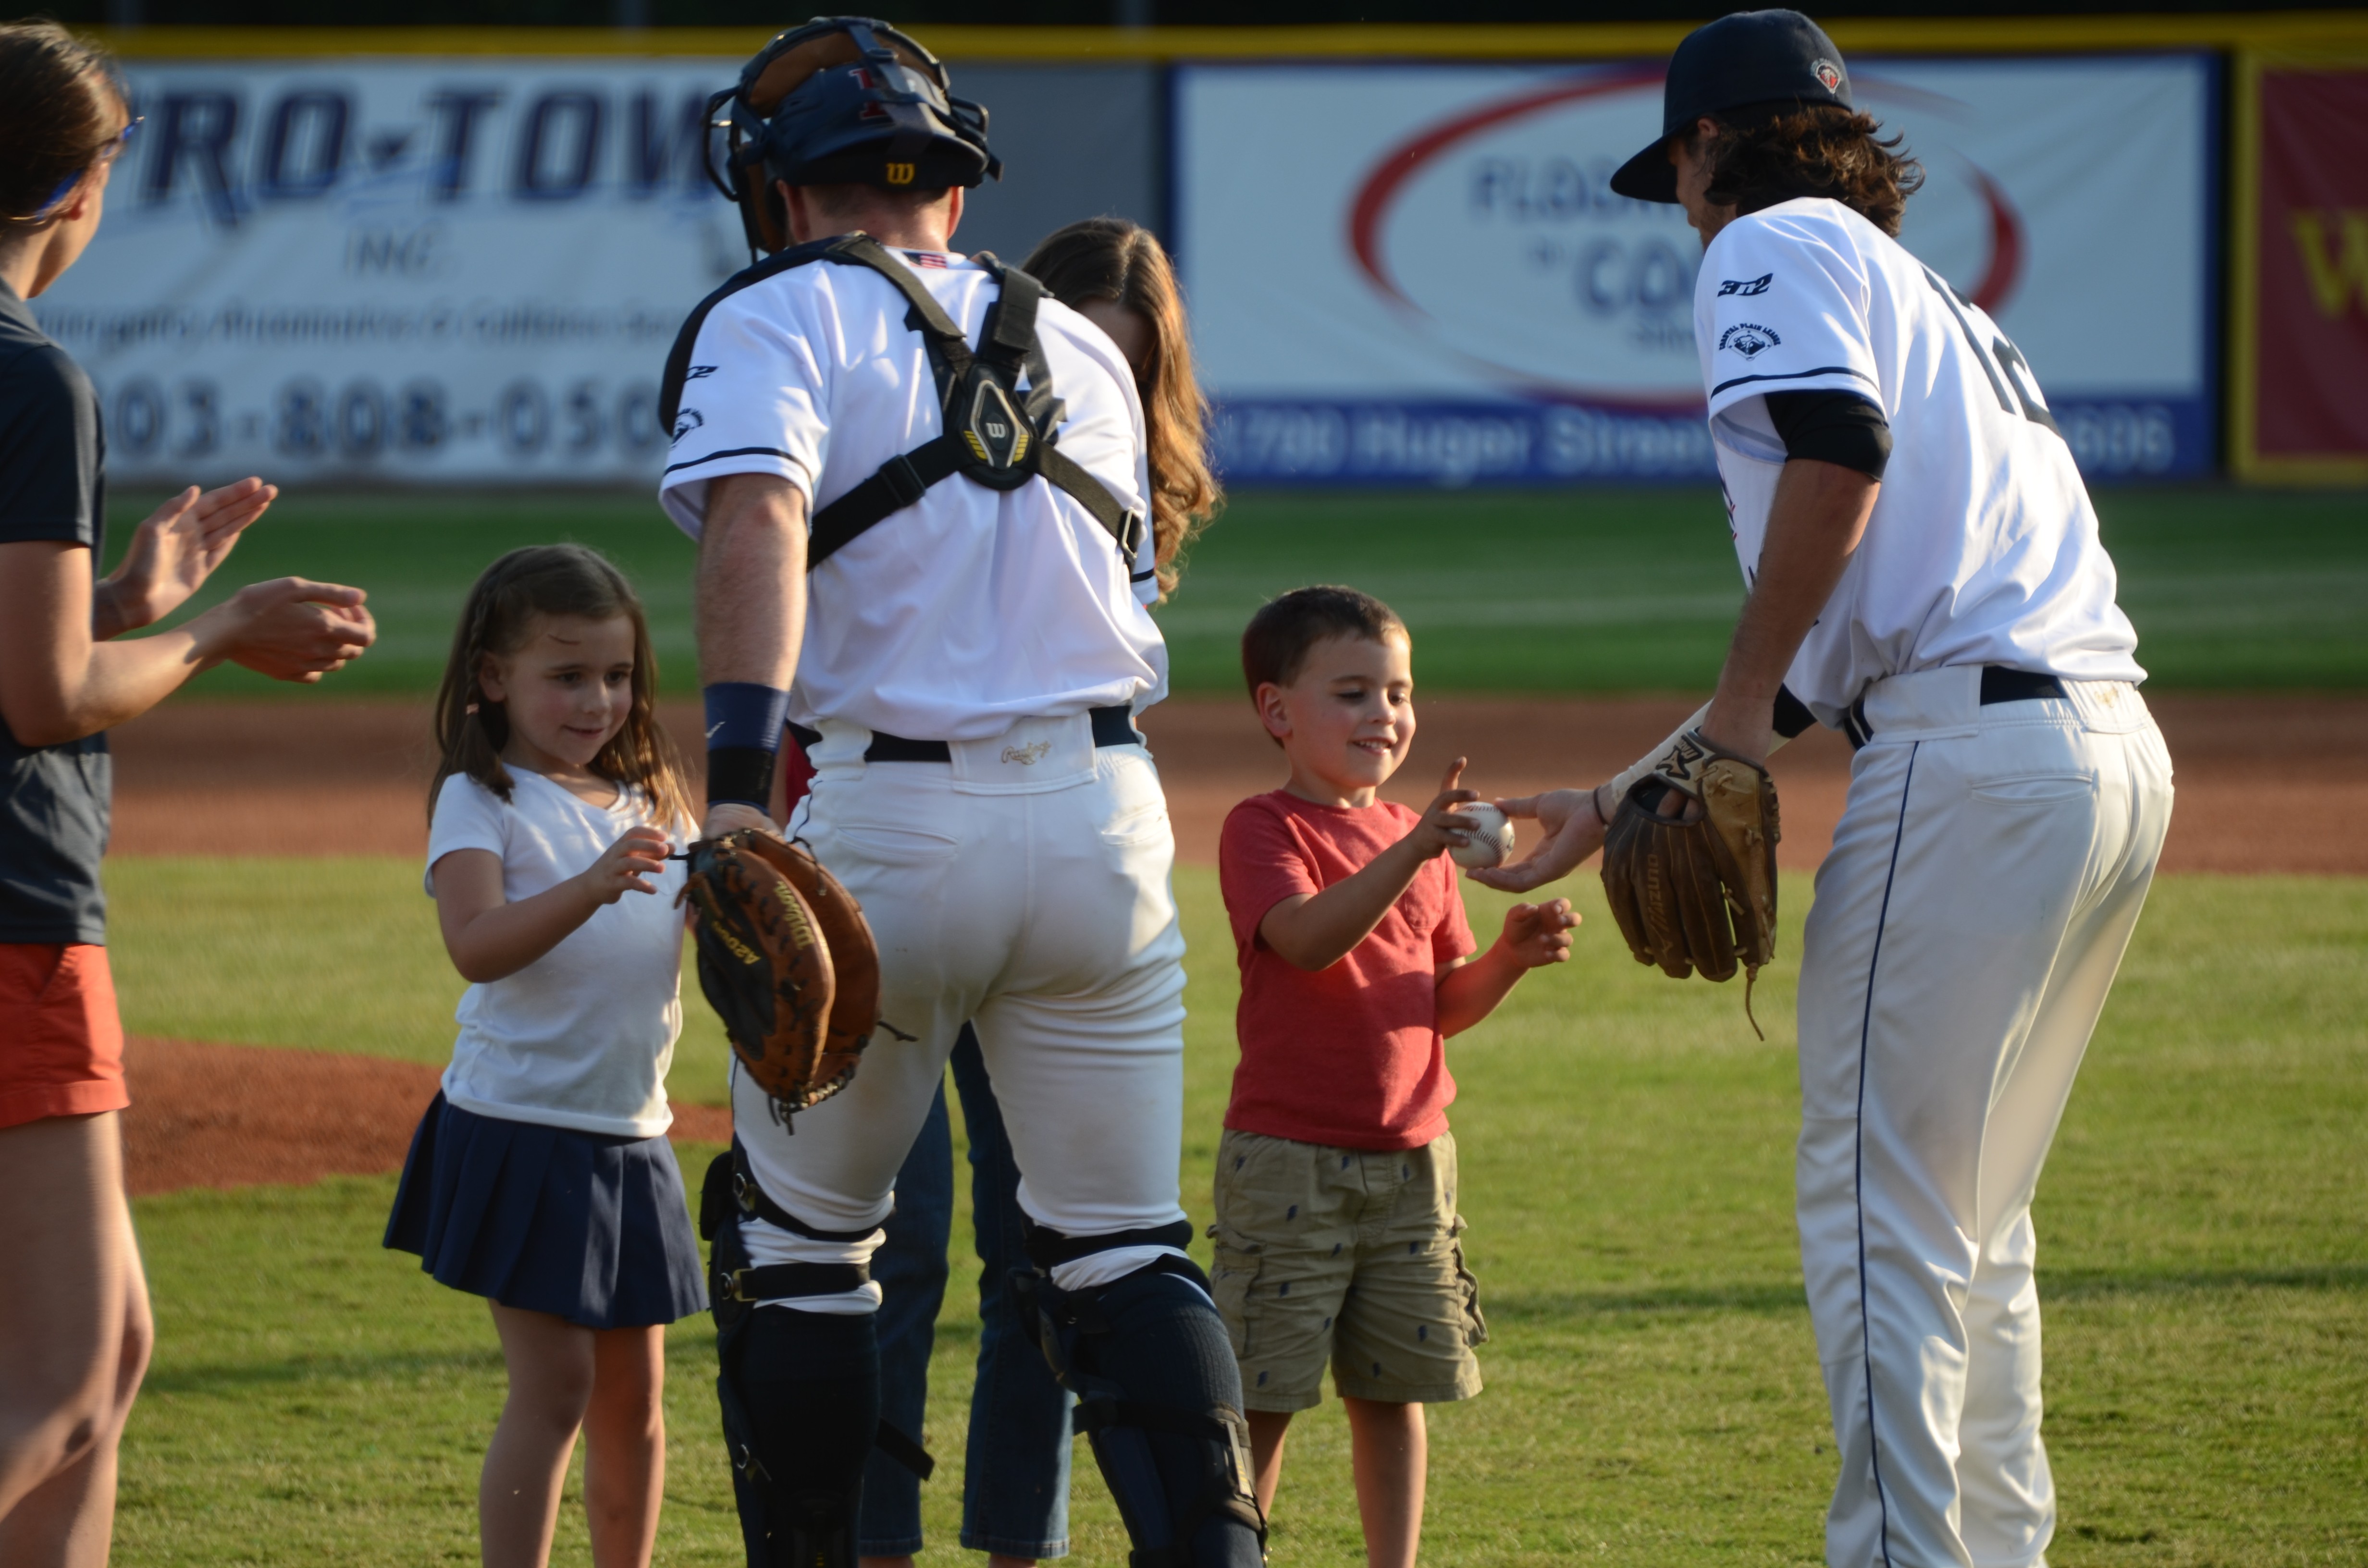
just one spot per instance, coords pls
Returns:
(1746, 285)
(1829, 73)
(1749, 339)
(690, 419)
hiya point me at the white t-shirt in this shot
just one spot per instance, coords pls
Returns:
(1983, 547)
(972, 608)
(582, 1036)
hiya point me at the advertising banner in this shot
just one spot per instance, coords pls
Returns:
(1419, 273)
(2301, 402)
(461, 269)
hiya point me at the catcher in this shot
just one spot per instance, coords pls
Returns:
(1926, 576)
(919, 491)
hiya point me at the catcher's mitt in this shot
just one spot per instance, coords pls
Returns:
(787, 961)
(1699, 894)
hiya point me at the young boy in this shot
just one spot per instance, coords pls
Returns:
(1335, 1181)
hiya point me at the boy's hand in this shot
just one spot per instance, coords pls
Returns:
(639, 853)
(1539, 934)
(1441, 827)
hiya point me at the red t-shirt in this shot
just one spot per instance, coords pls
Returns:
(1351, 1056)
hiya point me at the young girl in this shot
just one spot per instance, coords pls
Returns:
(541, 1177)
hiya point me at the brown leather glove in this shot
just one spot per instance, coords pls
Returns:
(787, 961)
(1697, 894)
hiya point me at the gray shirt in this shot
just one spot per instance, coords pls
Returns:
(52, 487)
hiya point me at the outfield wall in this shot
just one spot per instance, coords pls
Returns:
(458, 256)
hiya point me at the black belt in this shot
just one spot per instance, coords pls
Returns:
(1112, 727)
(2000, 684)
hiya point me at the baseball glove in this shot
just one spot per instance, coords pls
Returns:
(786, 961)
(1697, 895)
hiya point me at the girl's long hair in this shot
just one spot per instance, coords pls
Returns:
(1110, 259)
(61, 107)
(550, 579)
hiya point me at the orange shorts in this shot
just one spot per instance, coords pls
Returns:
(61, 1041)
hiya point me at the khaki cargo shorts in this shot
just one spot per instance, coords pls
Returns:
(1349, 1256)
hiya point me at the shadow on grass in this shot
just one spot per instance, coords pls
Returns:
(221, 1378)
(1777, 1298)
(2080, 1284)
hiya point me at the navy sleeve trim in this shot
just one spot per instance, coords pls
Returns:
(1796, 376)
(733, 452)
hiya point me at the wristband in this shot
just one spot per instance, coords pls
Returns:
(744, 736)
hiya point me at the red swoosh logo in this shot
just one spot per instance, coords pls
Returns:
(1400, 161)
(2006, 247)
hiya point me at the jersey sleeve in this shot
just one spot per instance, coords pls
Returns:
(756, 399)
(1259, 864)
(1782, 305)
(1452, 938)
(49, 450)
(467, 816)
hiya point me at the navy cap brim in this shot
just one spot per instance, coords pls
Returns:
(1649, 176)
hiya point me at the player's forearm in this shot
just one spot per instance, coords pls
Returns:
(1318, 932)
(752, 581)
(1469, 992)
(1818, 516)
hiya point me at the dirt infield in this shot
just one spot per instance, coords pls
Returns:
(317, 777)
(243, 1115)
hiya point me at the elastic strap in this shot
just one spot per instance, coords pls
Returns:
(1048, 1249)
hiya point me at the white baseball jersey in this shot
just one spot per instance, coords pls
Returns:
(954, 617)
(1983, 547)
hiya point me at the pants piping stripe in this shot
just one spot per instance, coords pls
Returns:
(1858, 1167)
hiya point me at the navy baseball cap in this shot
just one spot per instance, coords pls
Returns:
(1751, 57)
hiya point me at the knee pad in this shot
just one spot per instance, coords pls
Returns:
(1159, 1399)
(801, 1398)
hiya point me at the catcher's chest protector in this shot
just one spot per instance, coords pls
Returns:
(995, 435)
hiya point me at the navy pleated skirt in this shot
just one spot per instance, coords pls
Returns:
(584, 1226)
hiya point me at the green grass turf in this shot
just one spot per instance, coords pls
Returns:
(1652, 1397)
(1585, 590)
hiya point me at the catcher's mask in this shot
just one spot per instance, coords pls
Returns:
(842, 100)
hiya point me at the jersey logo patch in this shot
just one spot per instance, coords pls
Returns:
(1746, 285)
(690, 419)
(924, 259)
(699, 372)
(1749, 339)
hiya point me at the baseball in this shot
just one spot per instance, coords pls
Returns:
(1491, 843)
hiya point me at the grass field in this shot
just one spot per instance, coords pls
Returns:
(1652, 1397)
(1591, 590)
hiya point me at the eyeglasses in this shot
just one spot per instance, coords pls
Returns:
(113, 150)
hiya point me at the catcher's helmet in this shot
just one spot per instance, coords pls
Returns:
(842, 100)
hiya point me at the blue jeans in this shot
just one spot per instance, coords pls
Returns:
(1016, 1488)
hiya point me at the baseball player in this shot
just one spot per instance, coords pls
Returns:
(918, 487)
(1925, 575)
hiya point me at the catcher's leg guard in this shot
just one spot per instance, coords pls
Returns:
(1160, 1397)
(802, 1391)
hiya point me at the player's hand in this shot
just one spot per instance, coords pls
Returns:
(731, 816)
(290, 629)
(1536, 935)
(624, 867)
(176, 548)
(1572, 831)
(1443, 828)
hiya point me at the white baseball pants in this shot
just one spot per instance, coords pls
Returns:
(1025, 888)
(1986, 877)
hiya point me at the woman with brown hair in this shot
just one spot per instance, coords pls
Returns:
(75, 1326)
(1016, 1480)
